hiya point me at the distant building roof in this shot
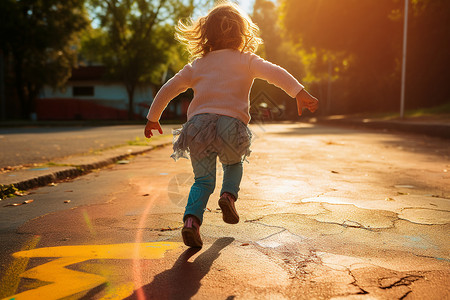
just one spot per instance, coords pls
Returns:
(88, 73)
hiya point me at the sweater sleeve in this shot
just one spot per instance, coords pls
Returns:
(274, 74)
(172, 88)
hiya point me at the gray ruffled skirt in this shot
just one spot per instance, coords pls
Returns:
(205, 134)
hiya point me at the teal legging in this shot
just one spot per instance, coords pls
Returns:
(205, 182)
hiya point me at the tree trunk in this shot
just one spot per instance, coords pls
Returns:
(33, 91)
(2, 87)
(130, 92)
(18, 63)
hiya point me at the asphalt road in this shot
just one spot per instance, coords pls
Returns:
(326, 213)
(24, 146)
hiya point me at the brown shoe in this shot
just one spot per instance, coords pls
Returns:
(229, 213)
(191, 232)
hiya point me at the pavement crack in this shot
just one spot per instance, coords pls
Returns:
(346, 224)
(254, 220)
(302, 264)
(387, 283)
(272, 226)
(403, 281)
(168, 229)
(162, 229)
(433, 257)
(355, 284)
(331, 190)
(297, 265)
(404, 296)
(423, 208)
(273, 234)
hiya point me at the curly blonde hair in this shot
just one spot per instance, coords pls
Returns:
(226, 26)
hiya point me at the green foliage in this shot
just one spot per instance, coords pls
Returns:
(8, 191)
(353, 45)
(354, 50)
(279, 51)
(136, 39)
(428, 54)
(138, 141)
(38, 40)
(435, 111)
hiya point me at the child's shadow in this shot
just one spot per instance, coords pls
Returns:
(182, 281)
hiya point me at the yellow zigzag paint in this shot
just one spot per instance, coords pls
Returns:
(65, 282)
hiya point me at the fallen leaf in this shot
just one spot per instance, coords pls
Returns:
(13, 204)
(405, 186)
(17, 204)
(335, 172)
(145, 195)
(66, 201)
(245, 244)
(166, 229)
(20, 193)
(401, 193)
(389, 199)
(123, 162)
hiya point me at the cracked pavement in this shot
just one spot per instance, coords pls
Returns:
(326, 213)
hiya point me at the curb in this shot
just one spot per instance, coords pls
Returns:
(72, 167)
(441, 130)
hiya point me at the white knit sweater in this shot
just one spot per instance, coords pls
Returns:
(221, 81)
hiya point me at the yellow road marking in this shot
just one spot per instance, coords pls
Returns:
(119, 292)
(115, 251)
(11, 278)
(65, 282)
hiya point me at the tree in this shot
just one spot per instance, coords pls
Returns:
(279, 51)
(362, 42)
(38, 39)
(428, 55)
(137, 41)
(266, 17)
(355, 43)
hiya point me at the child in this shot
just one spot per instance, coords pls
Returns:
(223, 44)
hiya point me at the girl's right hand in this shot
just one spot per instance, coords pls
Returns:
(305, 99)
(152, 126)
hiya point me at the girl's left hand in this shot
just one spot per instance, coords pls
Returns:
(152, 126)
(305, 99)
